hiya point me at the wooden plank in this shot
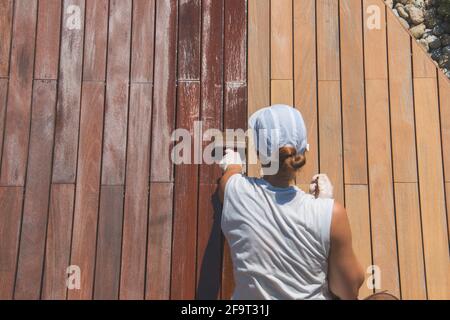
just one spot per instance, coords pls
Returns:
(352, 86)
(10, 217)
(3, 99)
(159, 252)
(409, 235)
(227, 273)
(189, 35)
(6, 16)
(35, 212)
(17, 128)
(380, 185)
(447, 192)
(59, 232)
(69, 96)
(281, 39)
(95, 40)
(305, 80)
(117, 91)
(109, 242)
(432, 202)
(327, 20)
(444, 105)
(134, 245)
(164, 90)
(330, 135)
(357, 205)
(48, 37)
(423, 65)
(87, 188)
(282, 92)
(402, 104)
(143, 40)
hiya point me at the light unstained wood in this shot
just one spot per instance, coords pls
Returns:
(447, 192)
(6, 16)
(281, 39)
(423, 66)
(282, 92)
(444, 105)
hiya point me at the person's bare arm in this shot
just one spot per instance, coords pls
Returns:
(345, 275)
(231, 170)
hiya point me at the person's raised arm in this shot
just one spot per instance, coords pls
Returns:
(231, 164)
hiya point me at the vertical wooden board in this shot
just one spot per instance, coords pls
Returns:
(327, 21)
(69, 94)
(35, 212)
(159, 253)
(117, 90)
(409, 235)
(189, 35)
(330, 135)
(352, 84)
(134, 244)
(375, 60)
(282, 92)
(185, 201)
(87, 188)
(164, 98)
(402, 104)
(305, 81)
(3, 95)
(423, 65)
(95, 40)
(447, 192)
(6, 16)
(281, 39)
(17, 128)
(235, 107)
(444, 105)
(10, 216)
(357, 205)
(227, 273)
(380, 184)
(109, 241)
(57, 252)
(48, 37)
(143, 40)
(432, 202)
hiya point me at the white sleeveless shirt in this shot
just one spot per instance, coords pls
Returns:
(279, 240)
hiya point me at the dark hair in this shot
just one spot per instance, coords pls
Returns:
(289, 162)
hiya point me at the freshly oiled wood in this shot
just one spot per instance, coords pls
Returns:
(305, 77)
(134, 244)
(6, 13)
(35, 212)
(380, 184)
(95, 41)
(57, 252)
(444, 105)
(109, 241)
(143, 40)
(183, 279)
(327, 24)
(87, 188)
(3, 95)
(164, 90)
(10, 216)
(281, 39)
(116, 109)
(18, 113)
(432, 202)
(159, 248)
(375, 61)
(352, 86)
(69, 96)
(409, 235)
(447, 192)
(227, 273)
(357, 205)
(423, 66)
(48, 37)
(330, 135)
(189, 35)
(401, 99)
(282, 92)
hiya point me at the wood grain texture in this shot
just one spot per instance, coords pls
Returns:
(189, 35)
(6, 17)
(3, 100)
(282, 92)
(281, 39)
(423, 66)
(444, 107)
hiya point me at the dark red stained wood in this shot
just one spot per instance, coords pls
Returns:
(189, 39)
(10, 216)
(68, 106)
(116, 112)
(109, 241)
(87, 188)
(95, 40)
(164, 90)
(159, 241)
(19, 97)
(35, 212)
(134, 245)
(47, 43)
(3, 94)
(143, 40)
(59, 232)
(227, 274)
(6, 12)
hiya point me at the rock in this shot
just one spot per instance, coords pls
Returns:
(415, 14)
(389, 3)
(424, 43)
(418, 31)
(446, 26)
(433, 42)
(436, 54)
(395, 12)
(446, 50)
(444, 61)
(404, 22)
(402, 12)
(430, 17)
(438, 30)
(445, 40)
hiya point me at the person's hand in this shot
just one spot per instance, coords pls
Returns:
(321, 187)
(230, 158)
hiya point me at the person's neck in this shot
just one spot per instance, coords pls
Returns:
(279, 182)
